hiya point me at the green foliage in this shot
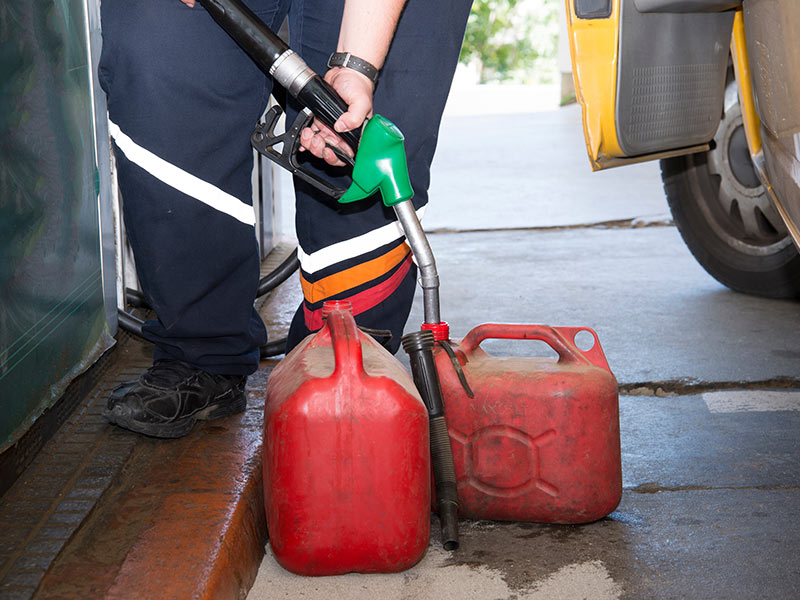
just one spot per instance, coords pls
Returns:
(512, 40)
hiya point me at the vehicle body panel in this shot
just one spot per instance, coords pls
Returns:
(651, 76)
(773, 28)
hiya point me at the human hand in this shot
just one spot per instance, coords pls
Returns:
(356, 90)
(189, 3)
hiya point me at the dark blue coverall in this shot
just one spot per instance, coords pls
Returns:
(183, 99)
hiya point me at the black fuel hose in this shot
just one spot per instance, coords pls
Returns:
(274, 57)
(278, 275)
(129, 323)
(136, 298)
(133, 325)
(419, 347)
(266, 284)
(273, 348)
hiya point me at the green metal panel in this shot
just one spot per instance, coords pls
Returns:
(52, 320)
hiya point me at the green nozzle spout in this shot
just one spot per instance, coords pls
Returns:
(380, 164)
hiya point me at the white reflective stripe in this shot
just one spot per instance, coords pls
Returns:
(181, 180)
(316, 261)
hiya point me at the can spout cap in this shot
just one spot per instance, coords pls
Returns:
(441, 330)
(380, 164)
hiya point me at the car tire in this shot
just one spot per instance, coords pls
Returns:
(725, 217)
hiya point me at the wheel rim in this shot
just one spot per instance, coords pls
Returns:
(739, 211)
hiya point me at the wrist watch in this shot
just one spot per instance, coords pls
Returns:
(348, 61)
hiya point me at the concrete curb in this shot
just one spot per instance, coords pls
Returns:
(184, 519)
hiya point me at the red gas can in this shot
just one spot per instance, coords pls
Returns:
(346, 456)
(539, 441)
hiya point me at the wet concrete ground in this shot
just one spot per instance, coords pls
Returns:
(710, 380)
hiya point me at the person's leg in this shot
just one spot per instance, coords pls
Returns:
(183, 99)
(358, 252)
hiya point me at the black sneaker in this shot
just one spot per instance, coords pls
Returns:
(171, 396)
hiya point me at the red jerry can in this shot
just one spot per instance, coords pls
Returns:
(539, 441)
(346, 456)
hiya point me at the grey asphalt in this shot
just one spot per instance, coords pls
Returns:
(710, 403)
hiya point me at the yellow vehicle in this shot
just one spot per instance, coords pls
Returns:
(711, 88)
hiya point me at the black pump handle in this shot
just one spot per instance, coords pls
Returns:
(275, 58)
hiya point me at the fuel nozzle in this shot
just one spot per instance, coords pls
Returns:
(282, 63)
(419, 347)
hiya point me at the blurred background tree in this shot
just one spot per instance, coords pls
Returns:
(512, 41)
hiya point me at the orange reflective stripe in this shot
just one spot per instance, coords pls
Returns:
(354, 276)
(363, 301)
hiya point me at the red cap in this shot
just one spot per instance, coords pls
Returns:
(441, 330)
(330, 305)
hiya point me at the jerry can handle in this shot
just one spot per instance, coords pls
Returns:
(560, 339)
(346, 342)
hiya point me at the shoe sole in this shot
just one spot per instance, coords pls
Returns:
(179, 427)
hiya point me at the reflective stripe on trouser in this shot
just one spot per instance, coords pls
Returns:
(379, 286)
(374, 272)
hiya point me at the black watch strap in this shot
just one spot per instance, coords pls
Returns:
(348, 61)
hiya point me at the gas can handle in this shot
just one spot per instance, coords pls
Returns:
(346, 342)
(560, 339)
